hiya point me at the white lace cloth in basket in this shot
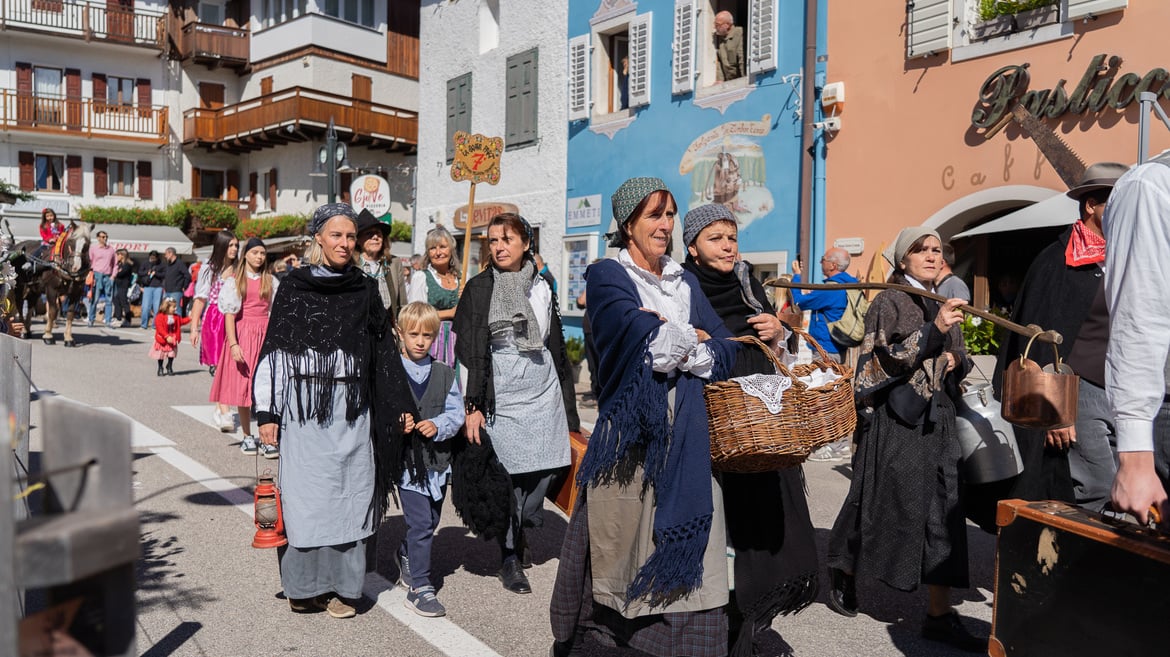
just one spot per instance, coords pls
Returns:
(767, 388)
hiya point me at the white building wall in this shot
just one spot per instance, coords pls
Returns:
(532, 177)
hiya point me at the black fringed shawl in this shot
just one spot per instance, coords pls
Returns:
(316, 321)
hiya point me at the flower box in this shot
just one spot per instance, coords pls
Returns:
(994, 27)
(1034, 18)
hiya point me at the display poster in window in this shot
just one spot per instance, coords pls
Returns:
(581, 211)
(577, 258)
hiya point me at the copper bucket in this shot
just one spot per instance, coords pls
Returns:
(1040, 397)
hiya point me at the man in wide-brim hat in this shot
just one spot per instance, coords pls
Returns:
(1063, 291)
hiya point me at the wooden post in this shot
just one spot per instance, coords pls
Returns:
(12, 602)
(467, 237)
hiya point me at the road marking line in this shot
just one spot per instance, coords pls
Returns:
(441, 633)
(140, 434)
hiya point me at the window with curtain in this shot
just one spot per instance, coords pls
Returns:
(50, 173)
(49, 93)
(119, 91)
(121, 178)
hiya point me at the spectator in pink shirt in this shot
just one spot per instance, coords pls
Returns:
(102, 258)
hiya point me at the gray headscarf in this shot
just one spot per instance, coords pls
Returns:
(327, 212)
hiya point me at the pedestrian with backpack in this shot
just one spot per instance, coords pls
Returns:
(828, 307)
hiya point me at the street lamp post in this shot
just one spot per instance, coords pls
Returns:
(329, 157)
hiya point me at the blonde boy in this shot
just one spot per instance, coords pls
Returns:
(440, 405)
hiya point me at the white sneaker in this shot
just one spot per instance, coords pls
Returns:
(226, 422)
(824, 454)
(844, 450)
(249, 445)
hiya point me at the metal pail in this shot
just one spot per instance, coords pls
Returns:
(988, 441)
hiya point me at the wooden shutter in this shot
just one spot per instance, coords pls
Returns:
(265, 87)
(640, 59)
(101, 181)
(73, 181)
(73, 98)
(762, 49)
(28, 174)
(210, 95)
(233, 185)
(25, 105)
(579, 77)
(683, 80)
(1084, 8)
(928, 27)
(344, 180)
(99, 91)
(145, 180)
(520, 106)
(253, 189)
(196, 183)
(458, 109)
(272, 190)
(363, 87)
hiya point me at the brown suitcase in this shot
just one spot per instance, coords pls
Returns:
(1075, 583)
(563, 491)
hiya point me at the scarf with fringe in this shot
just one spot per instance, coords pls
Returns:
(634, 426)
(321, 324)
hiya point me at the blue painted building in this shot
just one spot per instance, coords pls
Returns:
(649, 95)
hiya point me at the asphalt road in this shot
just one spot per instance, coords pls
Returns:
(203, 590)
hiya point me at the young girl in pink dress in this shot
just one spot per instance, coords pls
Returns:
(244, 300)
(207, 330)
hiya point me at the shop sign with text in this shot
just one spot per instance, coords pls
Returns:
(371, 193)
(583, 211)
(483, 214)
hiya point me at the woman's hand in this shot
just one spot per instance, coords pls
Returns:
(949, 315)
(655, 313)
(407, 422)
(237, 353)
(427, 429)
(702, 335)
(474, 423)
(268, 433)
(767, 326)
(950, 362)
(194, 335)
(1061, 438)
(170, 340)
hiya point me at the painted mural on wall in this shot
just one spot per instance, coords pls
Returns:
(726, 165)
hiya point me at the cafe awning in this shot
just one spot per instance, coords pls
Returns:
(1058, 210)
(135, 239)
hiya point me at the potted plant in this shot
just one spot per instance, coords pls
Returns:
(575, 350)
(1034, 13)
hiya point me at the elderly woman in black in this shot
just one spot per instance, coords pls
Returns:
(768, 523)
(331, 388)
(644, 560)
(518, 391)
(902, 522)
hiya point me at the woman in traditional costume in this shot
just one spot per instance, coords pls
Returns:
(768, 523)
(644, 562)
(438, 285)
(208, 332)
(902, 521)
(519, 392)
(331, 388)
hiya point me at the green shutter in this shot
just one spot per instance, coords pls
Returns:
(521, 99)
(458, 110)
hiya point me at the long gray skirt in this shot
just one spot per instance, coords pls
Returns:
(310, 572)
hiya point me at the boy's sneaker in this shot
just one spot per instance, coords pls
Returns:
(843, 450)
(249, 445)
(424, 603)
(270, 451)
(824, 454)
(404, 571)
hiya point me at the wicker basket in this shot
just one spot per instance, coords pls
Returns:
(747, 437)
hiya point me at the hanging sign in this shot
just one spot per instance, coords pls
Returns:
(370, 192)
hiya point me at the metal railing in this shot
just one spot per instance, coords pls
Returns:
(87, 117)
(296, 106)
(85, 20)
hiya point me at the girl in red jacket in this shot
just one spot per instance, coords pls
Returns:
(168, 333)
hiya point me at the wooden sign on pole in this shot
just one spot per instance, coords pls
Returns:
(477, 159)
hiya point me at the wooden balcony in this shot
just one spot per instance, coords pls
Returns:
(210, 45)
(299, 114)
(83, 117)
(90, 21)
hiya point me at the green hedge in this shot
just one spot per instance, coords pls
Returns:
(96, 214)
(278, 226)
(209, 213)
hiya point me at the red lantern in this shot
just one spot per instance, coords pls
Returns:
(268, 515)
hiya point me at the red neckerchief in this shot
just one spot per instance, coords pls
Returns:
(1084, 247)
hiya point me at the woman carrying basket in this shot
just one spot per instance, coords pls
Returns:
(901, 521)
(768, 523)
(644, 560)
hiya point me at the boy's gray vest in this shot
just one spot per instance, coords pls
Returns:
(437, 455)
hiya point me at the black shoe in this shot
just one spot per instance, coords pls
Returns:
(513, 577)
(842, 593)
(949, 630)
(170, 371)
(561, 649)
(160, 370)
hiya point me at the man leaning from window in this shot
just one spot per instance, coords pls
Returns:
(728, 48)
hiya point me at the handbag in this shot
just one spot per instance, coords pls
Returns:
(134, 294)
(1040, 397)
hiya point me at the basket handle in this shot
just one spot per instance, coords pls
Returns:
(754, 341)
(1056, 362)
(816, 345)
